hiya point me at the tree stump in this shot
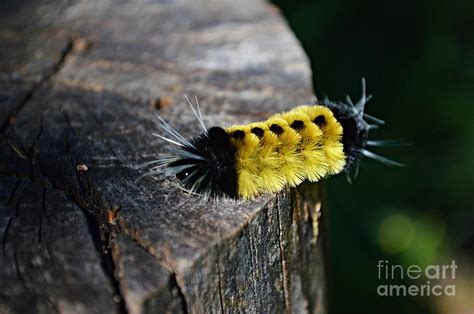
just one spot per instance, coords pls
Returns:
(82, 230)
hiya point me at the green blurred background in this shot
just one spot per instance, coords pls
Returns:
(418, 61)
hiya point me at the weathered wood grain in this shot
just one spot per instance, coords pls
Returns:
(79, 84)
(48, 263)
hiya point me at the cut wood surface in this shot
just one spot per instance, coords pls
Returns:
(80, 83)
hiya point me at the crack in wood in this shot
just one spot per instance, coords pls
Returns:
(9, 220)
(133, 235)
(30, 151)
(17, 269)
(12, 194)
(5, 234)
(101, 240)
(50, 257)
(29, 154)
(101, 243)
(17, 210)
(253, 255)
(40, 216)
(29, 95)
(284, 270)
(219, 282)
(175, 287)
(53, 304)
(70, 129)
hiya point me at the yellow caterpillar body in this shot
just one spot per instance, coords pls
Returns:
(302, 144)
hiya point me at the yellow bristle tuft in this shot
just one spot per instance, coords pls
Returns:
(314, 159)
(247, 161)
(292, 166)
(335, 156)
(248, 183)
(271, 178)
(332, 137)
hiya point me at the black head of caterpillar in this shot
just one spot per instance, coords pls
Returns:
(243, 161)
(356, 125)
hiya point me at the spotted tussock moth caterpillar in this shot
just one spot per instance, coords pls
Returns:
(309, 142)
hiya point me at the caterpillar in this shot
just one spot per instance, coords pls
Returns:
(309, 142)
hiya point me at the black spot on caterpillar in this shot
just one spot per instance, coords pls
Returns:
(309, 142)
(297, 125)
(257, 131)
(275, 128)
(319, 120)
